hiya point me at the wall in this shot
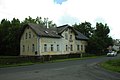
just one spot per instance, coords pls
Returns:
(28, 42)
(49, 42)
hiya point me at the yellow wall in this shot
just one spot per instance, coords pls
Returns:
(28, 42)
(49, 42)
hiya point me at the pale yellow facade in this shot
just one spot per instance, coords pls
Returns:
(31, 44)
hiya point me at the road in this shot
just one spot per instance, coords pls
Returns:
(68, 70)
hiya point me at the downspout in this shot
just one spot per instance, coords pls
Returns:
(38, 45)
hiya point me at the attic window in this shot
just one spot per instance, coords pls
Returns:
(46, 31)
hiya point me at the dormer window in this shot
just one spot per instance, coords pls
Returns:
(46, 32)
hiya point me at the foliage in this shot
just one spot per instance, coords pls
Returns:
(85, 28)
(100, 40)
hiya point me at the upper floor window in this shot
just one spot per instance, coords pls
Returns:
(51, 47)
(70, 37)
(29, 34)
(26, 35)
(78, 47)
(66, 36)
(71, 47)
(33, 47)
(45, 47)
(23, 48)
(57, 47)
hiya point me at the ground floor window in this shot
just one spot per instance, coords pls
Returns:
(57, 47)
(78, 47)
(81, 47)
(28, 47)
(51, 47)
(23, 49)
(71, 47)
(66, 47)
(45, 47)
(33, 47)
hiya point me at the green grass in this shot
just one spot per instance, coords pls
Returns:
(113, 65)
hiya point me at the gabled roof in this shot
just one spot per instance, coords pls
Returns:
(42, 31)
(54, 32)
(80, 36)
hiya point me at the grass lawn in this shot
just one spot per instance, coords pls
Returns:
(113, 65)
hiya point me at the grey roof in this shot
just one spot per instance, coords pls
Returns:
(42, 31)
(54, 32)
(81, 36)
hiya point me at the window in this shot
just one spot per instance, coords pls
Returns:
(26, 35)
(81, 47)
(66, 47)
(66, 36)
(51, 47)
(71, 47)
(28, 47)
(45, 47)
(33, 47)
(70, 37)
(29, 34)
(23, 48)
(57, 47)
(78, 47)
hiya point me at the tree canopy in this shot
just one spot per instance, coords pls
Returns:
(99, 39)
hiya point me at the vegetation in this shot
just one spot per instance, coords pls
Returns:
(113, 65)
(99, 40)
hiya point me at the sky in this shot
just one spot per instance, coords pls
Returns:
(66, 11)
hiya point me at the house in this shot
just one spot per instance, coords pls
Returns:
(116, 45)
(37, 40)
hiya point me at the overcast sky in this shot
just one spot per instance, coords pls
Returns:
(66, 11)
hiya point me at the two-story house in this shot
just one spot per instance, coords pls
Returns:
(37, 40)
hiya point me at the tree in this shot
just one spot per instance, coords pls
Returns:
(85, 28)
(4, 34)
(38, 20)
(100, 40)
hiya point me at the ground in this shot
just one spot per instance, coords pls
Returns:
(68, 70)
